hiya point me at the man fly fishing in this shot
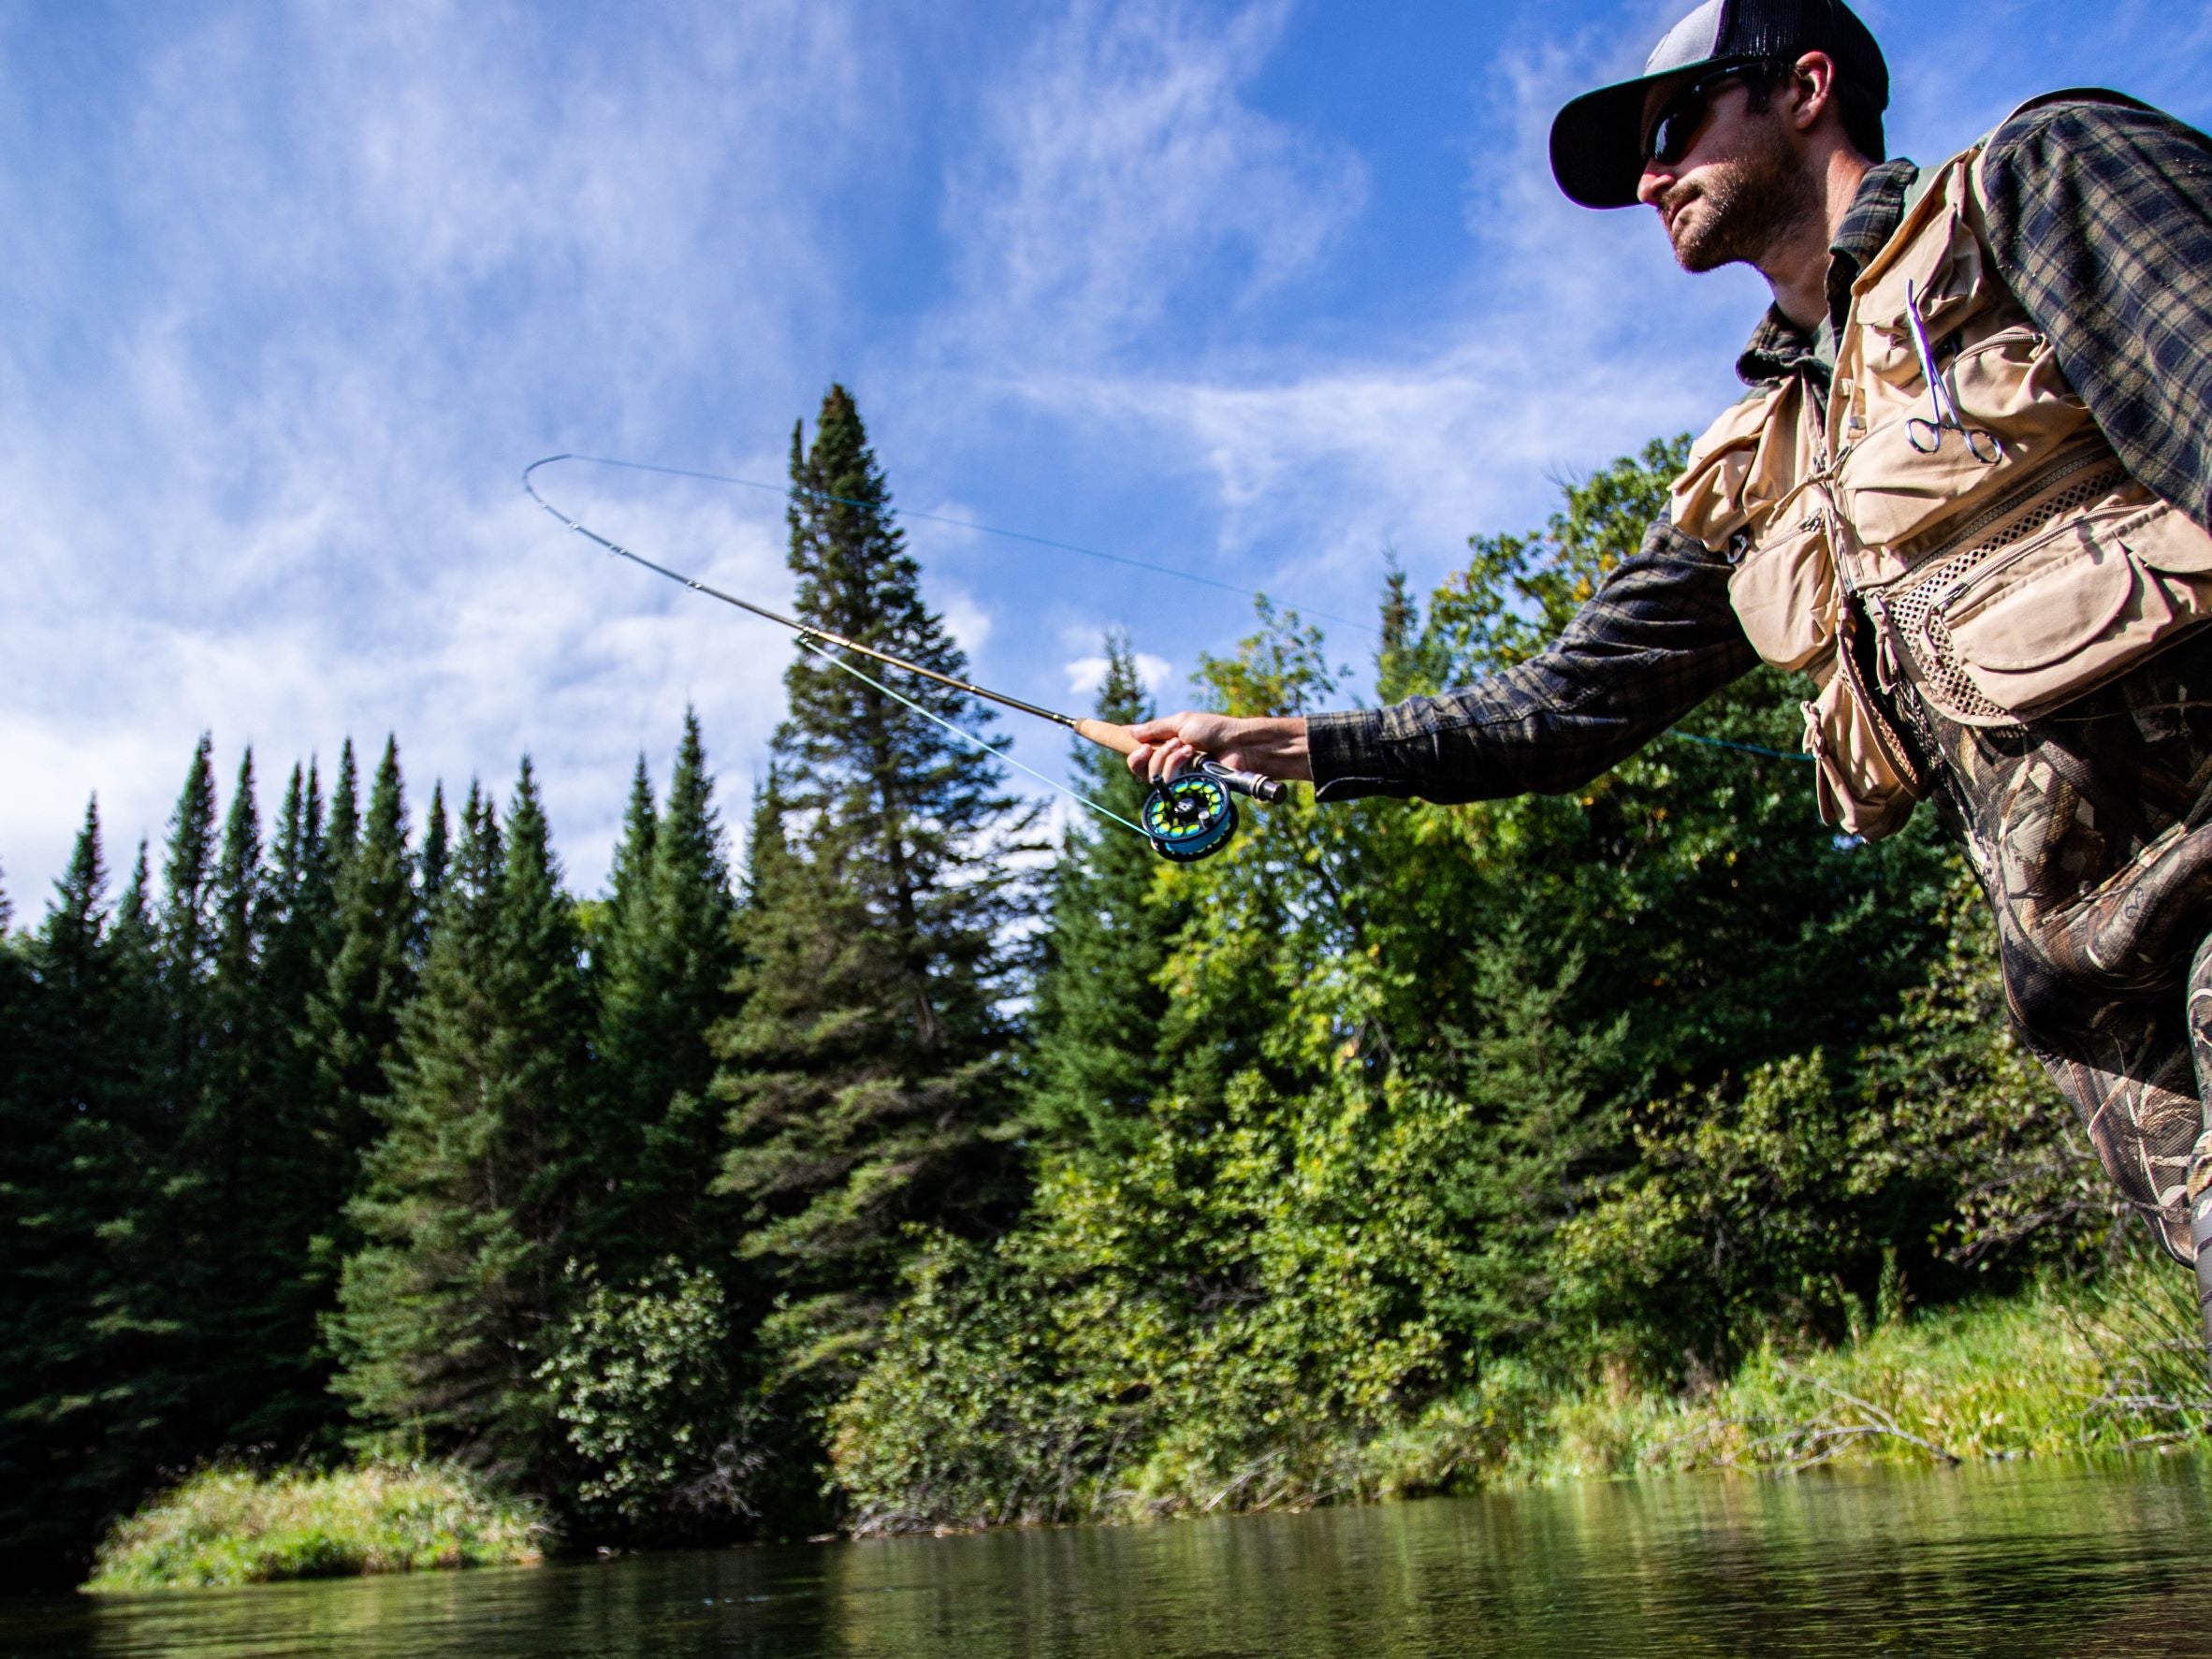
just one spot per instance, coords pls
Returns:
(1967, 491)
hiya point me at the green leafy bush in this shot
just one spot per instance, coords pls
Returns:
(641, 1383)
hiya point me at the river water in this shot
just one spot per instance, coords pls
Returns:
(2015, 1560)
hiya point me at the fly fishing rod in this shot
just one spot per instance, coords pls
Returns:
(1185, 817)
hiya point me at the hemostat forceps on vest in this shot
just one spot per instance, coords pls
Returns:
(1979, 444)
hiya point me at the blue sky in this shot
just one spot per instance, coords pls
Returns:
(293, 292)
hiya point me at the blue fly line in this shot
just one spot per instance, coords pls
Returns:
(1739, 747)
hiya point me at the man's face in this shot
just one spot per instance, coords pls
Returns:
(1741, 187)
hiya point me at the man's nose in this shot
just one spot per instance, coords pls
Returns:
(1653, 183)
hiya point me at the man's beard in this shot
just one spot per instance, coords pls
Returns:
(1747, 206)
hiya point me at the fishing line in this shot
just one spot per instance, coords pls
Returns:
(807, 642)
(1739, 747)
(988, 530)
(1192, 808)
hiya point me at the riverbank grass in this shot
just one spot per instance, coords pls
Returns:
(2057, 1370)
(234, 1526)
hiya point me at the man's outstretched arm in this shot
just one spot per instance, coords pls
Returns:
(1653, 642)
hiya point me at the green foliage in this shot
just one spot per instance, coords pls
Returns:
(1497, 1097)
(1093, 1067)
(868, 1077)
(641, 1379)
(354, 1019)
(443, 1308)
(1644, 1125)
(235, 1526)
(664, 955)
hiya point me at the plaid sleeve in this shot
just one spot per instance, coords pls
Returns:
(2101, 218)
(1653, 642)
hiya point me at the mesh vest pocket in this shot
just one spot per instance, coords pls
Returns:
(2067, 610)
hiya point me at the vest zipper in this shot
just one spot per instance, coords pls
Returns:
(2039, 484)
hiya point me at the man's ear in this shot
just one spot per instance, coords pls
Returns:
(1812, 87)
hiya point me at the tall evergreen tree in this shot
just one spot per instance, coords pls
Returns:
(354, 1018)
(95, 1383)
(671, 951)
(343, 836)
(235, 1258)
(436, 849)
(1097, 1059)
(867, 1076)
(631, 877)
(467, 1196)
(187, 937)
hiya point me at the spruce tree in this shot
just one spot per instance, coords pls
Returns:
(628, 881)
(670, 952)
(187, 936)
(1096, 1060)
(436, 849)
(354, 1017)
(235, 1257)
(94, 1382)
(343, 836)
(466, 1198)
(304, 1171)
(867, 1076)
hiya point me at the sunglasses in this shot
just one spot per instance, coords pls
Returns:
(1684, 118)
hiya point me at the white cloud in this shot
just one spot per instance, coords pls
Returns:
(1087, 675)
(1120, 168)
(385, 257)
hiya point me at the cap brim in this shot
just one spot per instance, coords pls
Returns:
(1597, 142)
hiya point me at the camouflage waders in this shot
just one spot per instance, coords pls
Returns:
(2091, 831)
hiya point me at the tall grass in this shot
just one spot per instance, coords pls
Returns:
(234, 1526)
(2059, 1368)
(2118, 1366)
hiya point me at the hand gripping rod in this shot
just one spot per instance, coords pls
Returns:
(1103, 733)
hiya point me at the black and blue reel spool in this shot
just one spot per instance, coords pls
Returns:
(1190, 817)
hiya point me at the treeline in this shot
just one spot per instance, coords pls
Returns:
(923, 1172)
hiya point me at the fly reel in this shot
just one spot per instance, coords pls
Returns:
(1188, 816)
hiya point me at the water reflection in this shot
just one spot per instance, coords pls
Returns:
(2025, 1560)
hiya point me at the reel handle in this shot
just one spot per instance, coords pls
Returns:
(1255, 784)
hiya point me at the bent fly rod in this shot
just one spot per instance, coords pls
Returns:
(1185, 817)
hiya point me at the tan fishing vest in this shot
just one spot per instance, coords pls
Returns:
(2002, 560)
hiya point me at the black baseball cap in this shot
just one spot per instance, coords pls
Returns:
(1597, 141)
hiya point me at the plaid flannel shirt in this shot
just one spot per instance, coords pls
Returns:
(2101, 218)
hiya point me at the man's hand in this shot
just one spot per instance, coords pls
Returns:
(1275, 747)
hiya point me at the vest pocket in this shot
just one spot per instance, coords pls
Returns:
(1907, 475)
(2071, 608)
(1715, 492)
(1947, 273)
(1784, 591)
(1860, 785)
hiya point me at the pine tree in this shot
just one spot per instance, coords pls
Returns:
(867, 1076)
(629, 880)
(671, 951)
(354, 1017)
(1096, 1060)
(436, 837)
(187, 937)
(304, 1170)
(343, 837)
(466, 1197)
(95, 1385)
(235, 1258)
